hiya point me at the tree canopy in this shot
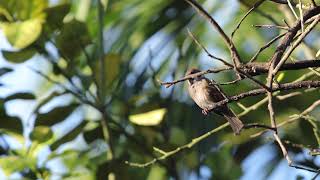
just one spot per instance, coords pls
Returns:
(110, 100)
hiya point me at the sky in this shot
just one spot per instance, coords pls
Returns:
(24, 79)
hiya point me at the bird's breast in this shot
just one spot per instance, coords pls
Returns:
(199, 94)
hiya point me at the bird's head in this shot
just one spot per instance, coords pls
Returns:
(193, 71)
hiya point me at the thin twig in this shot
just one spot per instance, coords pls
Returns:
(256, 5)
(266, 46)
(234, 53)
(189, 145)
(291, 7)
(255, 125)
(207, 52)
(293, 118)
(262, 13)
(271, 26)
(78, 96)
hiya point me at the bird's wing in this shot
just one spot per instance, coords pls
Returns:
(215, 93)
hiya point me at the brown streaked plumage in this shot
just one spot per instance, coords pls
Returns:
(205, 94)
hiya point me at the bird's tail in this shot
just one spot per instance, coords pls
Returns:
(234, 121)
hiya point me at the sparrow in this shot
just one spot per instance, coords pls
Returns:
(205, 93)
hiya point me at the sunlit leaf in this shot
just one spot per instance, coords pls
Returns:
(41, 134)
(5, 15)
(280, 77)
(20, 163)
(22, 34)
(150, 118)
(19, 56)
(104, 3)
(83, 10)
(23, 10)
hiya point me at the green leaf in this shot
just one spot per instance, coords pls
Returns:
(192, 160)
(55, 116)
(41, 134)
(9, 123)
(11, 164)
(280, 77)
(93, 133)
(69, 136)
(83, 10)
(19, 56)
(5, 15)
(104, 4)
(177, 136)
(157, 172)
(56, 14)
(5, 70)
(20, 95)
(22, 34)
(112, 62)
(151, 118)
(23, 10)
(70, 42)
(112, 69)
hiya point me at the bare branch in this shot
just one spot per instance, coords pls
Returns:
(253, 69)
(295, 44)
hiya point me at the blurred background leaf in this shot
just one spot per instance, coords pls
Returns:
(55, 126)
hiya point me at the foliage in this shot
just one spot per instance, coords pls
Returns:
(123, 113)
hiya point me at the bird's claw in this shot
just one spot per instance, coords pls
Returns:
(205, 111)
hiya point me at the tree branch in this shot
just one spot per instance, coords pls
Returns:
(256, 92)
(252, 69)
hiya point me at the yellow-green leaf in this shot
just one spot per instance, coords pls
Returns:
(280, 77)
(4, 14)
(22, 34)
(150, 118)
(157, 172)
(112, 67)
(41, 134)
(6, 164)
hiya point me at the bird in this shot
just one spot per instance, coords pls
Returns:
(205, 93)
